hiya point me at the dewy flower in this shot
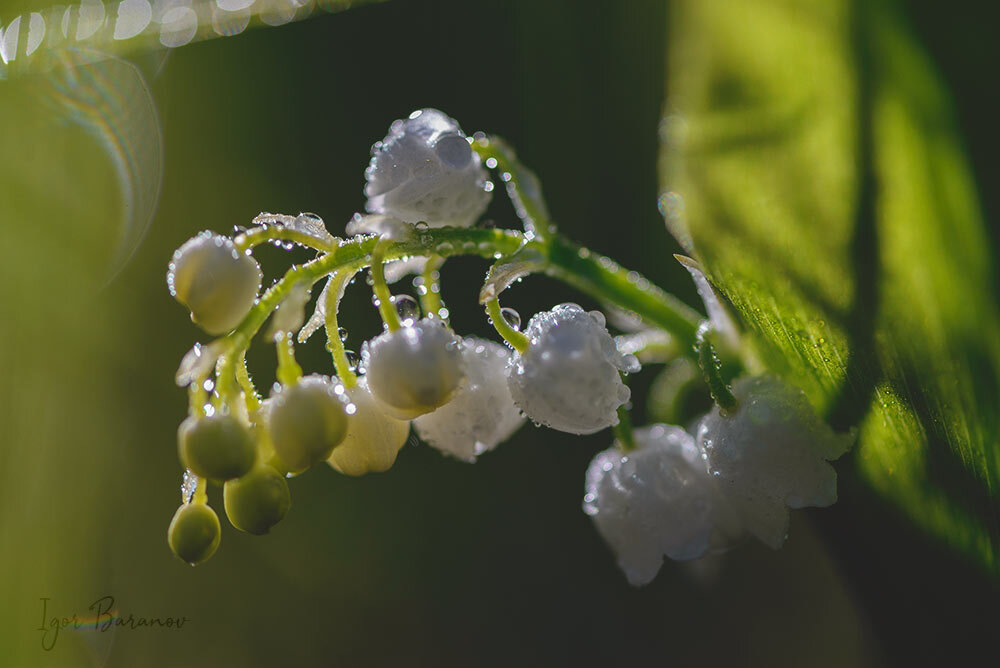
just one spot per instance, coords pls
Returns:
(373, 438)
(770, 454)
(657, 500)
(482, 413)
(425, 171)
(569, 377)
(215, 281)
(413, 370)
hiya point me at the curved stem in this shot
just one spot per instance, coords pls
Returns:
(523, 187)
(381, 289)
(605, 280)
(334, 291)
(430, 297)
(710, 365)
(289, 370)
(250, 395)
(516, 339)
(623, 430)
(597, 277)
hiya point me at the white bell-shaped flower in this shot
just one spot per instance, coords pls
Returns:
(415, 369)
(215, 281)
(481, 414)
(770, 454)
(569, 377)
(373, 439)
(425, 171)
(657, 500)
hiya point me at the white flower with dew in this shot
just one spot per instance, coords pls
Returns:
(568, 379)
(426, 171)
(770, 454)
(657, 500)
(415, 369)
(215, 281)
(481, 414)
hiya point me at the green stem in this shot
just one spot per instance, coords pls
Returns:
(603, 279)
(289, 370)
(623, 430)
(710, 366)
(250, 396)
(597, 277)
(522, 186)
(430, 299)
(516, 339)
(381, 289)
(340, 362)
(200, 492)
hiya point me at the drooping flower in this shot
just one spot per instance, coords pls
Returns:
(215, 281)
(657, 500)
(415, 369)
(568, 379)
(425, 171)
(770, 454)
(482, 413)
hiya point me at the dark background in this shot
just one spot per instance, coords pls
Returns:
(436, 562)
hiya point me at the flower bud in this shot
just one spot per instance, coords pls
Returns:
(482, 413)
(215, 281)
(217, 447)
(425, 170)
(306, 422)
(194, 533)
(569, 377)
(657, 500)
(373, 438)
(414, 369)
(257, 501)
(770, 454)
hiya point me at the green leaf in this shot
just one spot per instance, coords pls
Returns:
(810, 161)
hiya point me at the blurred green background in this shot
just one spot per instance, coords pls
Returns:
(434, 563)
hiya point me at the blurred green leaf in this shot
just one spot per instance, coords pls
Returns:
(810, 161)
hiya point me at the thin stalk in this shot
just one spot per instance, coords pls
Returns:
(381, 289)
(334, 290)
(516, 339)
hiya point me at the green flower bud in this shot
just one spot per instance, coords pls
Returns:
(257, 501)
(215, 281)
(307, 421)
(373, 438)
(218, 447)
(194, 533)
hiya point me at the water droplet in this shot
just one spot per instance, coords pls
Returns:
(444, 248)
(189, 486)
(512, 318)
(491, 163)
(352, 359)
(406, 308)
(342, 333)
(421, 226)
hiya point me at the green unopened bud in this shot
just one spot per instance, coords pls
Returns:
(217, 282)
(307, 421)
(257, 501)
(194, 533)
(218, 447)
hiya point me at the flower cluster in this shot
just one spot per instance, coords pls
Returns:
(658, 491)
